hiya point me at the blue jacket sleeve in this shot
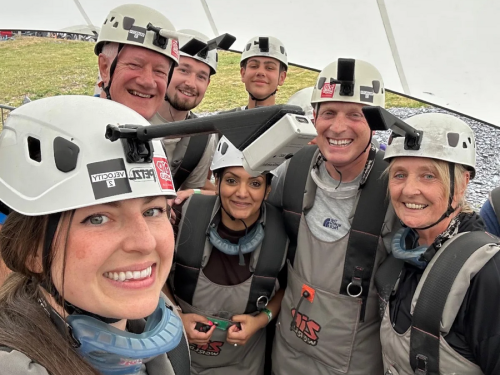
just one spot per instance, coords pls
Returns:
(490, 218)
(2, 218)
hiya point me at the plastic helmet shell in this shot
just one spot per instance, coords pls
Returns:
(445, 137)
(127, 24)
(302, 98)
(368, 86)
(276, 50)
(226, 155)
(211, 58)
(54, 157)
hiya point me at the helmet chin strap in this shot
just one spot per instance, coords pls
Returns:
(240, 253)
(357, 157)
(48, 284)
(107, 88)
(261, 100)
(450, 208)
(112, 69)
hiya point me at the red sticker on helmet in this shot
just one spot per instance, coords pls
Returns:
(328, 90)
(163, 173)
(175, 48)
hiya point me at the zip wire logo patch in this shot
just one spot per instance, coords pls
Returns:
(175, 48)
(306, 329)
(108, 178)
(328, 90)
(212, 349)
(163, 172)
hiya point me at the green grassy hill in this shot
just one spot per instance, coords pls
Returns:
(41, 67)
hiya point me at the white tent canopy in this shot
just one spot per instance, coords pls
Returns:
(443, 52)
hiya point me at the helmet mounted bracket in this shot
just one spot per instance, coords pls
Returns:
(381, 119)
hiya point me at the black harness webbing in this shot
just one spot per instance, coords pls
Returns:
(426, 322)
(179, 358)
(495, 201)
(191, 244)
(365, 234)
(386, 279)
(366, 227)
(293, 194)
(194, 152)
(271, 256)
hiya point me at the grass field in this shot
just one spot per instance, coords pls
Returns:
(41, 67)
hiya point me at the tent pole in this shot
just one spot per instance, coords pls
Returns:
(392, 43)
(87, 19)
(210, 18)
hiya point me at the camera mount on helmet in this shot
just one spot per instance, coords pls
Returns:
(224, 41)
(263, 44)
(265, 135)
(380, 119)
(345, 77)
(162, 36)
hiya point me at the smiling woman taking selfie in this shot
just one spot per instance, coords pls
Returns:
(229, 252)
(89, 248)
(440, 287)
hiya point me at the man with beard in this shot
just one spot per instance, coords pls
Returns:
(189, 157)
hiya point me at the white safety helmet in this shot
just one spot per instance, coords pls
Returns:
(302, 98)
(267, 46)
(127, 24)
(445, 137)
(367, 86)
(226, 155)
(209, 57)
(54, 157)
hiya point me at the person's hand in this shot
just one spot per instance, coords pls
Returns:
(182, 195)
(313, 142)
(194, 336)
(249, 325)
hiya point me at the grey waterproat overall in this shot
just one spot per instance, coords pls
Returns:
(327, 324)
(195, 293)
(422, 349)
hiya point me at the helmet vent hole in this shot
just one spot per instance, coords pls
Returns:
(282, 49)
(248, 46)
(470, 142)
(224, 148)
(464, 145)
(376, 86)
(453, 139)
(34, 149)
(115, 25)
(112, 19)
(106, 21)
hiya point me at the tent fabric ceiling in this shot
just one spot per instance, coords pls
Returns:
(448, 50)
